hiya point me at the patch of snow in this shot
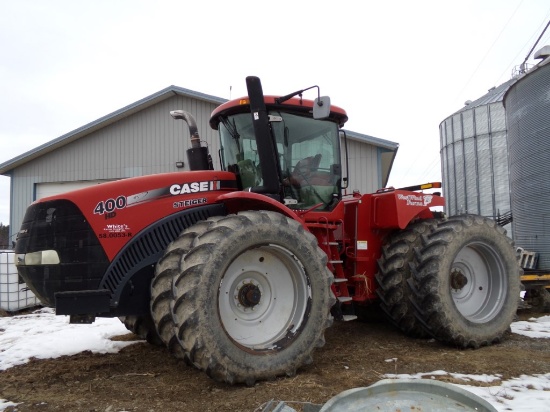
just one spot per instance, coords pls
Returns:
(44, 335)
(6, 404)
(533, 328)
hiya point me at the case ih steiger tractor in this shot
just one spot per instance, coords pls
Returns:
(239, 271)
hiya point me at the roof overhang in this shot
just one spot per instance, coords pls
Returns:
(375, 141)
(387, 154)
(8, 166)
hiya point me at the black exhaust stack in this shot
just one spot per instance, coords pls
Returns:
(197, 156)
(264, 140)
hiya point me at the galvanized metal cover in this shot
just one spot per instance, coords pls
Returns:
(408, 395)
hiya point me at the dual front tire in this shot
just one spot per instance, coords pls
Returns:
(246, 297)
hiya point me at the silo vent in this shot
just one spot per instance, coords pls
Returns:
(542, 53)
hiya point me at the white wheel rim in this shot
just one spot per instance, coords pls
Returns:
(478, 283)
(276, 304)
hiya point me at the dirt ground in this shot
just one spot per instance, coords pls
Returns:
(143, 377)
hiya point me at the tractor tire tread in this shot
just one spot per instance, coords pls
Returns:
(205, 344)
(162, 284)
(431, 293)
(393, 275)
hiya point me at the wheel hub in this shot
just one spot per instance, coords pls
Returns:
(458, 280)
(263, 297)
(249, 295)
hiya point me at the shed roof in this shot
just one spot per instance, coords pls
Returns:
(100, 123)
(376, 141)
(135, 107)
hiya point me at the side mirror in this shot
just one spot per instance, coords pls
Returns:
(321, 107)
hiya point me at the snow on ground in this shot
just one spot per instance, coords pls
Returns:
(533, 328)
(43, 335)
(521, 394)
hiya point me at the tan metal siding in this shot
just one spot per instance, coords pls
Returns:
(21, 198)
(364, 167)
(146, 142)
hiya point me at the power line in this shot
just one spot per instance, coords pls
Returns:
(489, 50)
(437, 160)
(535, 45)
(507, 69)
(421, 176)
(426, 173)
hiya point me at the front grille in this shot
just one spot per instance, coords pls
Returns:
(59, 225)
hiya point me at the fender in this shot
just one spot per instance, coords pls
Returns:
(240, 201)
(396, 209)
(132, 268)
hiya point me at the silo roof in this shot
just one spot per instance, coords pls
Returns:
(495, 94)
(543, 54)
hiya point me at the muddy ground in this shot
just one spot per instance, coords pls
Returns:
(143, 377)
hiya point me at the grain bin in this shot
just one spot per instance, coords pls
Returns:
(527, 104)
(474, 157)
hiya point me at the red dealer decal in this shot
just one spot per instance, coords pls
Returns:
(416, 200)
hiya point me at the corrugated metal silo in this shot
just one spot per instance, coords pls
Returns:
(527, 105)
(474, 158)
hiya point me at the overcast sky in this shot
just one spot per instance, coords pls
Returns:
(399, 68)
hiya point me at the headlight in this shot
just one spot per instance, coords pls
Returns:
(44, 257)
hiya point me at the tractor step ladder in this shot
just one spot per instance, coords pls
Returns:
(325, 236)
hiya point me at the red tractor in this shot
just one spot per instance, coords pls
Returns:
(240, 270)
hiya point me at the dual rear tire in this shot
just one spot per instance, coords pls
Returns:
(457, 280)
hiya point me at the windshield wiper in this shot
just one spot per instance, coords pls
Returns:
(232, 129)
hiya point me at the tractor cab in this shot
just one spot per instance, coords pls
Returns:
(301, 150)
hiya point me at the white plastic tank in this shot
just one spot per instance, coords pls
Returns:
(14, 294)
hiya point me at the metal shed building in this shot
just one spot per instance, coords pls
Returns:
(142, 138)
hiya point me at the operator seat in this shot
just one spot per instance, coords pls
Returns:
(313, 186)
(248, 173)
(306, 166)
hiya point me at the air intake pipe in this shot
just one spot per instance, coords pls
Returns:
(264, 140)
(197, 156)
